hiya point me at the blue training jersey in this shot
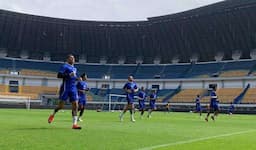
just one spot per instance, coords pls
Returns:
(130, 86)
(69, 83)
(82, 85)
(214, 98)
(231, 107)
(198, 101)
(142, 95)
(152, 97)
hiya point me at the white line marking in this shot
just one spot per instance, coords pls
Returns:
(196, 140)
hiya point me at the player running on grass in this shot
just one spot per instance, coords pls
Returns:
(130, 89)
(152, 102)
(142, 98)
(214, 105)
(231, 108)
(68, 89)
(82, 87)
(198, 105)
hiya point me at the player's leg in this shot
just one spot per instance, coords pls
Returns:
(63, 97)
(74, 115)
(142, 112)
(141, 107)
(121, 116)
(208, 114)
(132, 110)
(74, 101)
(59, 107)
(215, 112)
(81, 112)
(149, 112)
(200, 111)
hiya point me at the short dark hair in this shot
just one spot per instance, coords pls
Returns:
(69, 55)
(83, 75)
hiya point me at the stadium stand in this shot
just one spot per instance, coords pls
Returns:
(39, 90)
(148, 71)
(140, 71)
(250, 96)
(204, 70)
(120, 71)
(187, 95)
(31, 96)
(3, 88)
(227, 95)
(237, 68)
(236, 73)
(4, 71)
(28, 72)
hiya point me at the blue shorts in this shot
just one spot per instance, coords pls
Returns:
(82, 99)
(130, 100)
(141, 104)
(198, 108)
(82, 102)
(64, 95)
(152, 105)
(214, 107)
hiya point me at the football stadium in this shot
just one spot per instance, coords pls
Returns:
(179, 81)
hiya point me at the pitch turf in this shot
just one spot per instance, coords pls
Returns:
(22, 129)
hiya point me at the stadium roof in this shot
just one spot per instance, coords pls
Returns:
(104, 10)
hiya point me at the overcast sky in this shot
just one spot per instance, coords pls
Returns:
(104, 10)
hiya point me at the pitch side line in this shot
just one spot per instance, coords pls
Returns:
(196, 140)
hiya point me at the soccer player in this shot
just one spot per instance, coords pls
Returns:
(82, 87)
(198, 105)
(68, 90)
(231, 108)
(152, 101)
(142, 97)
(130, 89)
(168, 107)
(214, 105)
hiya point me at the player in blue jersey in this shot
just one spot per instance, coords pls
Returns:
(198, 105)
(82, 87)
(231, 108)
(214, 105)
(152, 102)
(130, 89)
(142, 98)
(68, 90)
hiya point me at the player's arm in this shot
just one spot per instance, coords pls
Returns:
(136, 89)
(87, 88)
(62, 73)
(140, 98)
(82, 91)
(126, 89)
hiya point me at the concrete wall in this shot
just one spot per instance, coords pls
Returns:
(238, 82)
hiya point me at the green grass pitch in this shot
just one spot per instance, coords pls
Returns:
(29, 130)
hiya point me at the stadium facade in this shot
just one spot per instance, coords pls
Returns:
(179, 53)
(227, 27)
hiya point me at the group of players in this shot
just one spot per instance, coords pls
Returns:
(213, 107)
(131, 89)
(74, 88)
